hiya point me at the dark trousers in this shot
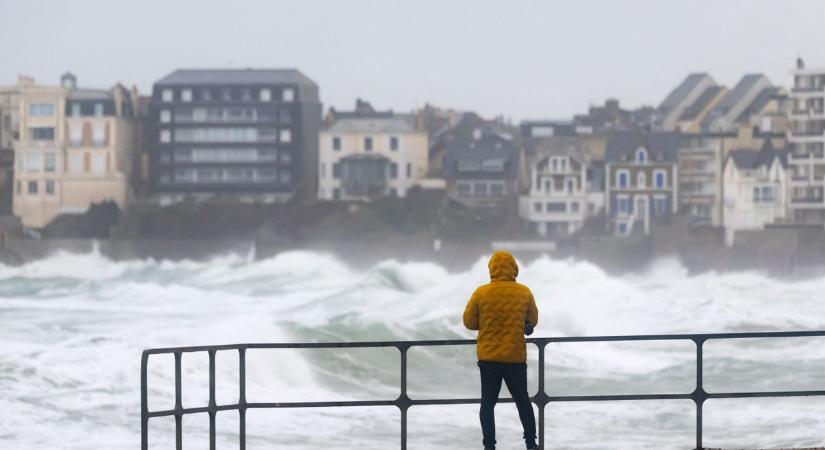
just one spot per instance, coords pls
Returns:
(515, 377)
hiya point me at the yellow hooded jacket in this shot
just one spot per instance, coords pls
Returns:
(498, 311)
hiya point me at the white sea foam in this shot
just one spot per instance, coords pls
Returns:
(72, 328)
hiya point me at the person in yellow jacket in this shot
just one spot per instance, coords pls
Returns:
(503, 311)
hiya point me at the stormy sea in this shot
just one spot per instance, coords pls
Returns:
(72, 328)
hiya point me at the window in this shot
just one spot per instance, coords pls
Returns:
(622, 179)
(288, 95)
(496, 189)
(574, 207)
(75, 109)
(622, 228)
(41, 109)
(285, 116)
(99, 135)
(286, 177)
(226, 94)
(98, 166)
(393, 143)
(463, 189)
(98, 109)
(246, 95)
(285, 136)
(50, 187)
(41, 133)
(186, 95)
(165, 136)
(571, 186)
(556, 207)
(286, 157)
(660, 178)
(623, 205)
(206, 95)
(32, 162)
(336, 143)
(75, 135)
(409, 170)
(49, 162)
(32, 187)
(336, 170)
(480, 189)
(641, 156)
(537, 206)
(563, 164)
(641, 180)
(76, 163)
(167, 95)
(659, 205)
(265, 95)
(165, 116)
(393, 170)
(368, 144)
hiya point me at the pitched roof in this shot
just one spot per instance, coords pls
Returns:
(236, 76)
(392, 124)
(469, 153)
(684, 89)
(661, 146)
(541, 147)
(753, 159)
(701, 103)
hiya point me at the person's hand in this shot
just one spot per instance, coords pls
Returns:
(528, 328)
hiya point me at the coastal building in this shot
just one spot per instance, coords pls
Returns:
(755, 189)
(74, 149)
(9, 123)
(482, 165)
(247, 134)
(366, 154)
(754, 103)
(806, 136)
(557, 201)
(641, 179)
(700, 105)
(697, 89)
(700, 159)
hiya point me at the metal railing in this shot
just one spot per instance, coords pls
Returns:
(404, 402)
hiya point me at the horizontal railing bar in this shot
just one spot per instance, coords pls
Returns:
(767, 394)
(470, 401)
(434, 343)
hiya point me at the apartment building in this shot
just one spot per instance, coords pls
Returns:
(9, 123)
(700, 159)
(806, 137)
(557, 201)
(755, 189)
(641, 180)
(366, 154)
(697, 89)
(74, 149)
(247, 134)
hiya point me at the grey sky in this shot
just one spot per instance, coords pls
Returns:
(522, 59)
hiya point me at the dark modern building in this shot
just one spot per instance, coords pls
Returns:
(250, 134)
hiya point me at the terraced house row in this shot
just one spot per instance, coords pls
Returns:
(740, 158)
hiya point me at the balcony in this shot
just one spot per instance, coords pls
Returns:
(806, 136)
(810, 157)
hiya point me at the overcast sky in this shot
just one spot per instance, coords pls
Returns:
(521, 59)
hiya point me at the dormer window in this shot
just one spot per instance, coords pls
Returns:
(641, 155)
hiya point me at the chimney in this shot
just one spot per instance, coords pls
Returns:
(800, 64)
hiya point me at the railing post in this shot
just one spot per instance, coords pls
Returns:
(242, 397)
(144, 402)
(178, 405)
(541, 395)
(403, 402)
(212, 403)
(699, 395)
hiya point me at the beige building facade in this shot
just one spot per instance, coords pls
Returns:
(369, 155)
(74, 149)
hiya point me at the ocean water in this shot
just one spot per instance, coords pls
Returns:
(72, 328)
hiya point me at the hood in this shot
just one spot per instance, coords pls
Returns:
(503, 267)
